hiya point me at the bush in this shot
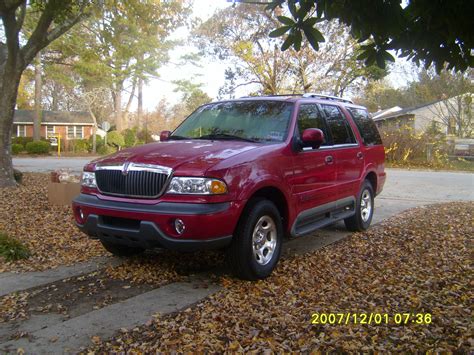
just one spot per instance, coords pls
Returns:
(40, 147)
(106, 150)
(404, 147)
(80, 146)
(22, 140)
(99, 142)
(114, 138)
(130, 137)
(18, 175)
(17, 148)
(12, 249)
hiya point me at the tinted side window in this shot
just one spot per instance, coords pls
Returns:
(310, 117)
(340, 129)
(366, 126)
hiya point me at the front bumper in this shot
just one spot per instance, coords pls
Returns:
(208, 226)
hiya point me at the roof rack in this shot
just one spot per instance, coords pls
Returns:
(327, 97)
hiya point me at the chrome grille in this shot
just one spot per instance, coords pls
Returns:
(132, 180)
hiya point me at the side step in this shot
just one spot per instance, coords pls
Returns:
(310, 220)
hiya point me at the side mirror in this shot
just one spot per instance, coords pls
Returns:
(164, 136)
(312, 137)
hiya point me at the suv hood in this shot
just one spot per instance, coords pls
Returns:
(184, 157)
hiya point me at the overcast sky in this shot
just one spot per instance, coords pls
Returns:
(211, 74)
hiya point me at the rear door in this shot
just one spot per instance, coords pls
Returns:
(314, 179)
(348, 153)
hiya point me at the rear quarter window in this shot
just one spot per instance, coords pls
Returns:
(366, 126)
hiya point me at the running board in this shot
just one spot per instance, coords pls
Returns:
(315, 218)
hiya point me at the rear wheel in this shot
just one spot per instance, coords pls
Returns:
(364, 209)
(256, 245)
(121, 250)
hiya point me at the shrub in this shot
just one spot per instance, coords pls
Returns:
(99, 142)
(106, 150)
(12, 249)
(405, 147)
(17, 148)
(40, 147)
(114, 138)
(80, 146)
(22, 140)
(130, 137)
(18, 175)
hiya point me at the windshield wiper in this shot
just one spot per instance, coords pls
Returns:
(175, 137)
(226, 136)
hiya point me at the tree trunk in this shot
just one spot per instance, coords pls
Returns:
(38, 85)
(118, 111)
(8, 92)
(140, 103)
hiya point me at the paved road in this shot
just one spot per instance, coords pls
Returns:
(49, 333)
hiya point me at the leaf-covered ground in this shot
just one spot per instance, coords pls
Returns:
(48, 231)
(417, 262)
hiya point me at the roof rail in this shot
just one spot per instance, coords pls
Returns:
(327, 97)
(276, 95)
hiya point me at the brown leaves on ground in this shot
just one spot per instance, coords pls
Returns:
(418, 262)
(48, 231)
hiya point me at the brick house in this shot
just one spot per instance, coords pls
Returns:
(69, 125)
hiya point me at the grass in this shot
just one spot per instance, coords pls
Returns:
(12, 249)
(453, 165)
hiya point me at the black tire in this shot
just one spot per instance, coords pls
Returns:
(121, 250)
(361, 221)
(241, 256)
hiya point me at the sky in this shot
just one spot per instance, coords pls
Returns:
(211, 72)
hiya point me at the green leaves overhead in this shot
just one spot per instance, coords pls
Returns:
(438, 33)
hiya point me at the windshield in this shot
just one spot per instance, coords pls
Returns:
(259, 121)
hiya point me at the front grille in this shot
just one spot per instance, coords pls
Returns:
(146, 184)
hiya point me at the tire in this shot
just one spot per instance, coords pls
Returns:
(364, 209)
(121, 250)
(260, 225)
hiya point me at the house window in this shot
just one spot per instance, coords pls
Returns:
(75, 132)
(21, 131)
(50, 131)
(79, 132)
(70, 132)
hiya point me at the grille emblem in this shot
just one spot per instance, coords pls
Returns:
(125, 168)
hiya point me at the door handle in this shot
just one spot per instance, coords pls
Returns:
(329, 159)
(360, 155)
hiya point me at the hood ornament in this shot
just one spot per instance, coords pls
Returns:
(125, 168)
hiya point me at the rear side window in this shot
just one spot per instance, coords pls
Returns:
(366, 126)
(310, 116)
(340, 129)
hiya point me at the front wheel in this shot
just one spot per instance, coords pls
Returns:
(256, 245)
(364, 209)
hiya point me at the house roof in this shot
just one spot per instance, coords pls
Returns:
(54, 117)
(389, 113)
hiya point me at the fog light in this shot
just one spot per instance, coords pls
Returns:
(81, 214)
(179, 226)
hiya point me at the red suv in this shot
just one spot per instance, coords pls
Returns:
(240, 175)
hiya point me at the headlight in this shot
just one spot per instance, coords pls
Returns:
(198, 186)
(88, 179)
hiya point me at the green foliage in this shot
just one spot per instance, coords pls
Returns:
(106, 150)
(22, 140)
(18, 175)
(115, 139)
(40, 147)
(17, 148)
(144, 136)
(130, 137)
(12, 249)
(388, 25)
(80, 146)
